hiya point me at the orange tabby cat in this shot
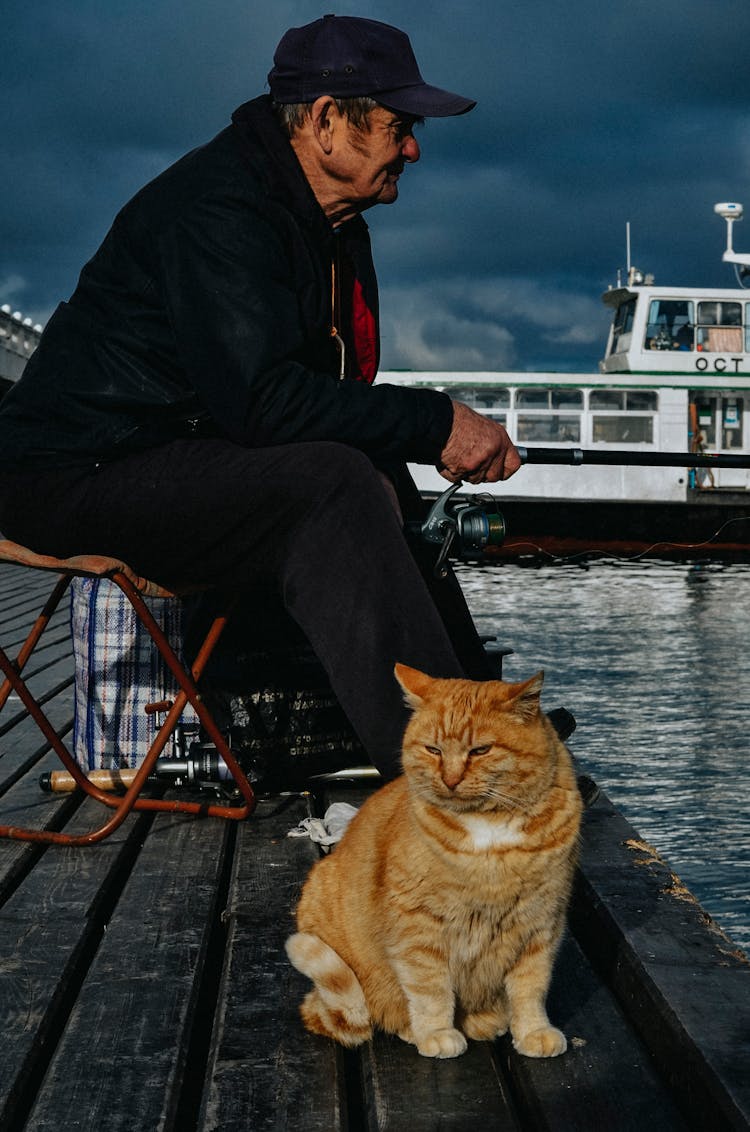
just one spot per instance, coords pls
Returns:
(438, 915)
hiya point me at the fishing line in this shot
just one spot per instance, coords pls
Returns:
(562, 558)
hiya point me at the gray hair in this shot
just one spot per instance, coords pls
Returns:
(291, 115)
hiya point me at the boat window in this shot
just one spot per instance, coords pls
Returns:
(706, 414)
(493, 398)
(547, 423)
(484, 399)
(627, 400)
(720, 314)
(722, 421)
(628, 417)
(720, 327)
(622, 429)
(566, 398)
(622, 327)
(606, 399)
(543, 398)
(532, 398)
(642, 399)
(548, 428)
(671, 325)
(731, 422)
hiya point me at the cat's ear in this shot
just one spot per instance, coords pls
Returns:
(415, 684)
(524, 700)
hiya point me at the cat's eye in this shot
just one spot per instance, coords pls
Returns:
(481, 750)
(433, 750)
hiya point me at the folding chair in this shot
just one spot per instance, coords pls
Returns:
(135, 589)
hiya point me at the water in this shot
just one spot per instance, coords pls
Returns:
(653, 661)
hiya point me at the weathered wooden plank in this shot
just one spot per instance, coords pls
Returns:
(404, 1090)
(18, 618)
(49, 928)
(50, 662)
(46, 667)
(23, 589)
(680, 981)
(26, 806)
(54, 646)
(122, 1060)
(21, 749)
(50, 679)
(28, 599)
(265, 1071)
(606, 1078)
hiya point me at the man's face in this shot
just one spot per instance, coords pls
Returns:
(372, 160)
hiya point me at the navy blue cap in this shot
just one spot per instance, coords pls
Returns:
(346, 57)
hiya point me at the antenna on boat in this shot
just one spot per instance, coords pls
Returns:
(635, 276)
(732, 212)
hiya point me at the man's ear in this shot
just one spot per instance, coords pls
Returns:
(325, 118)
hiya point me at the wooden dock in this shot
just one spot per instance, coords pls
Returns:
(144, 986)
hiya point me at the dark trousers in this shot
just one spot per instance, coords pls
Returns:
(311, 523)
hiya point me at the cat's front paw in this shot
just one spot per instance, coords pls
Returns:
(547, 1041)
(442, 1043)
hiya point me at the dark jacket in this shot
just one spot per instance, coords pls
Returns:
(207, 310)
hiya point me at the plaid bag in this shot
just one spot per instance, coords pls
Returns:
(118, 670)
(272, 699)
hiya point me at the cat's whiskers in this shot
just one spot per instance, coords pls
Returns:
(508, 800)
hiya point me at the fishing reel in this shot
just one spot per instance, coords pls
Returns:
(469, 527)
(202, 768)
(197, 766)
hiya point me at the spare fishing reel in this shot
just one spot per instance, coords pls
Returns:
(197, 765)
(202, 768)
(464, 527)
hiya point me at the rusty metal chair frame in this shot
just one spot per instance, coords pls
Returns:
(135, 589)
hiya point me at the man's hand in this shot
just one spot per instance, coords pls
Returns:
(478, 449)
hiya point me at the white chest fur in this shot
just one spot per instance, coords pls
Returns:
(487, 832)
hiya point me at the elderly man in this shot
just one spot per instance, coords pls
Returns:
(201, 406)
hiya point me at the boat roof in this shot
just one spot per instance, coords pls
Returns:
(615, 296)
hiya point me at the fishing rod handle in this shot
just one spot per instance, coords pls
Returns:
(60, 782)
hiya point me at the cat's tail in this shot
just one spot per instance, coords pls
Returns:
(336, 1006)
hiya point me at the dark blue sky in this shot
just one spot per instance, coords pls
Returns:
(505, 233)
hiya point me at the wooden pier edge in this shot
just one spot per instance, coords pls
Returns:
(680, 980)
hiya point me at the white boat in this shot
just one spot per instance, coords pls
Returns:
(677, 359)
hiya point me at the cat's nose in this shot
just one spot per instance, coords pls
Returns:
(451, 776)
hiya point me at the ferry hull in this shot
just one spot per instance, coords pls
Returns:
(702, 529)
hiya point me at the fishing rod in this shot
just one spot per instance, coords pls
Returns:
(578, 456)
(468, 526)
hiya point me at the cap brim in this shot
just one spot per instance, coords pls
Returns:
(424, 101)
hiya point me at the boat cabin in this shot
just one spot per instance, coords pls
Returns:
(687, 338)
(678, 330)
